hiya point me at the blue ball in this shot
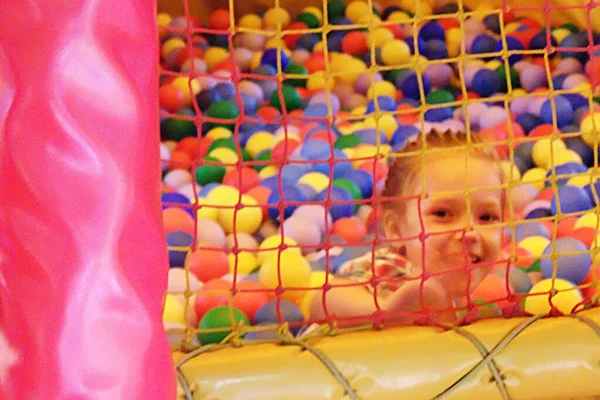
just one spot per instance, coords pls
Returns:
(526, 230)
(577, 100)
(269, 57)
(436, 49)
(207, 97)
(409, 101)
(369, 136)
(226, 90)
(512, 43)
(438, 114)
(178, 239)
(316, 149)
(528, 122)
(217, 40)
(290, 313)
(251, 128)
(540, 41)
(579, 41)
(271, 182)
(492, 23)
(590, 192)
(410, 86)
(290, 194)
(207, 188)
(250, 104)
(338, 194)
(316, 110)
(432, 30)
(265, 70)
(262, 334)
(486, 82)
(175, 198)
(565, 170)
(571, 267)
(521, 165)
(564, 111)
(572, 199)
(483, 43)
(308, 191)
(342, 21)
(307, 41)
(363, 179)
(334, 41)
(400, 77)
(421, 44)
(539, 213)
(578, 116)
(385, 103)
(569, 129)
(558, 81)
(580, 147)
(340, 166)
(291, 173)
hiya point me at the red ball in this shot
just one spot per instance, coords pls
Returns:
(494, 135)
(316, 62)
(590, 291)
(470, 96)
(248, 176)
(378, 169)
(355, 43)
(514, 129)
(545, 194)
(171, 98)
(186, 53)
(207, 263)
(592, 71)
(291, 39)
(228, 65)
(396, 30)
(268, 113)
(566, 227)
(327, 137)
(261, 195)
(282, 150)
(449, 23)
(541, 131)
(177, 219)
(585, 235)
(214, 293)
(219, 19)
(493, 289)
(250, 298)
(351, 229)
(180, 160)
(191, 146)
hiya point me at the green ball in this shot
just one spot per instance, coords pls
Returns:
(309, 20)
(296, 70)
(596, 99)
(225, 110)
(535, 267)
(392, 75)
(222, 142)
(177, 129)
(290, 97)
(262, 156)
(206, 174)
(347, 141)
(352, 188)
(245, 155)
(514, 78)
(439, 96)
(570, 27)
(335, 9)
(220, 317)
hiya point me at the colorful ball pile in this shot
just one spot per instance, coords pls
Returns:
(246, 155)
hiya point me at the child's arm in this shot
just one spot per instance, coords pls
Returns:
(344, 302)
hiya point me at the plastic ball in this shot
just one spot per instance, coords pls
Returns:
(541, 152)
(512, 44)
(432, 30)
(589, 128)
(243, 262)
(207, 263)
(483, 43)
(518, 279)
(351, 229)
(535, 245)
(571, 199)
(303, 231)
(246, 219)
(486, 82)
(275, 17)
(564, 111)
(565, 299)
(395, 52)
(524, 230)
(173, 310)
(289, 267)
(269, 314)
(435, 49)
(220, 317)
(271, 245)
(338, 210)
(270, 57)
(493, 288)
(410, 86)
(533, 77)
(179, 281)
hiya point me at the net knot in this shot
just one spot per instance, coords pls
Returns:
(285, 336)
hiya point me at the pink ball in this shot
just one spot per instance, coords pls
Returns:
(299, 56)
(494, 116)
(315, 213)
(568, 66)
(243, 58)
(535, 106)
(210, 233)
(322, 96)
(520, 105)
(469, 73)
(304, 231)
(474, 27)
(364, 82)
(439, 75)
(574, 80)
(343, 89)
(519, 66)
(354, 101)
(206, 82)
(533, 77)
(252, 89)
(198, 65)
(251, 41)
(475, 112)
(244, 241)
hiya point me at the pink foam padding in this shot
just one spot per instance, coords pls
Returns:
(83, 259)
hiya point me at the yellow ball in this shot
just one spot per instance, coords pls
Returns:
(566, 156)
(246, 262)
(316, 180)
(162, 22)
(247, 219)
(567, 297)
(171, 44)
(534, 245)
(317, 279)
(317, 12)
(349, 152)
(541, 151)
(174, 311)
(358, 111)
(259, 142)
(270, 246)
(509, 169)
(221, 195)
(379, 36)
(579, 180)
(250, 21)
(519, 92)
(225, 155)
(319, 46)
(383, 88)
(494, 64)
(365, 152)
(293, 270)
(560, 34)
(417, 7)
(281, 136)
(256, 59)
(352, 70)
(536, 177)
(317, 81)
(183, 83)
(385, 123)
(511, 27)
(219, 133)
(267, 171)
(357, 9)
(368, 19)
(583, 88)
(589, 220)
(274, 43)
(206, 211)
(215, 55)
(275, 16)
(590, 127)
(398, 16)
(395, 52)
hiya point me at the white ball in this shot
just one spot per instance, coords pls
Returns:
(165, 156)
(209, 232)
(316, 213)
(177, 283)
(304, 231)
(177, 178)
(188, 190)
(244, 241)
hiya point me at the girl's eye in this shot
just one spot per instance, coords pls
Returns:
(441, 213)
(488, 217)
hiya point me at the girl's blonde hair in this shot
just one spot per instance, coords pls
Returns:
(406, 167)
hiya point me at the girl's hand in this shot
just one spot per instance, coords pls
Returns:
(431, 298)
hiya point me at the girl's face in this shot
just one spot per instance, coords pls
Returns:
(457, 240)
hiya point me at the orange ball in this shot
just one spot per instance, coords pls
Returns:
(292, 38)
(589, 291)
(213, 294)
(449, 23)
(171, 98)
(545, 194)
(541, 131)
(566, 227)
(177, 219)
(191, 146)
(283, 149)
(261, 195)
(355, 43)
(493, 289)
(268, 113)
(180, 160)
(585, 235)
(378, 171)
(219, 19)
(248, 176)
(315, 63)
(250, 297)
(351, 229)
(207, 264)
(186, 53)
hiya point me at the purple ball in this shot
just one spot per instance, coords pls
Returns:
(573, 80)
(520, 105)
(533, 77)
(568, 66)
(535, 106)
(494, 116)
(469, 73)
(321, 97)
(475, 112)
(364, 82)
(439, 75)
